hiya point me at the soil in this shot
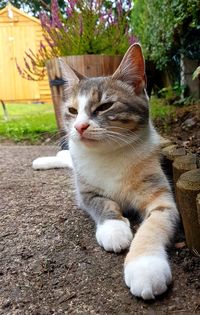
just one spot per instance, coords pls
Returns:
(50, 261)
(183, 127)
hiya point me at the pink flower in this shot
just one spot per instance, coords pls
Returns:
(55, 21)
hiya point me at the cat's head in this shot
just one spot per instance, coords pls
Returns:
(107, 110)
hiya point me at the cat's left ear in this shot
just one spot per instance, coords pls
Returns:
(132, 69)
(70, 76)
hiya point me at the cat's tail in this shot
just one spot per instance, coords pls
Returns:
(61, 160)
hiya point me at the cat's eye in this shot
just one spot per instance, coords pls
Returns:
(72, 110)
(103, 107)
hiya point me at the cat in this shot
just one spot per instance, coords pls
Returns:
(115, 155)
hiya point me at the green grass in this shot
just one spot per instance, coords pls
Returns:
(27, 122)
(159, 108)
(35, 122)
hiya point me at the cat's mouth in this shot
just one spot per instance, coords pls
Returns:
(88, 142)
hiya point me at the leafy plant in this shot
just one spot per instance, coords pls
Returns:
(167, 29)
(172, 93)
(87, 27)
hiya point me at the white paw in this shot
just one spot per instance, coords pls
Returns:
(148, 276)
(62, 159)
(114, 235)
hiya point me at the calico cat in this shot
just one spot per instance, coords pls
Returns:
(115, 154)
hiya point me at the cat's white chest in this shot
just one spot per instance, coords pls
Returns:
(101, 171)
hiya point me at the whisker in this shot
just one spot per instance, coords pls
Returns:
(120, 128)
(126, 137)
(118, 139)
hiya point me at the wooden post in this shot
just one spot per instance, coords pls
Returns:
(56, 91)
(172, 151)
(181, 165)
(188, 186)
(169, 153)
(165, 142)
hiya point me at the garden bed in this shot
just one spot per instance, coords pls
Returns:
(182, 126)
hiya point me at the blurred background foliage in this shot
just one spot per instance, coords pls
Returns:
(167, 28)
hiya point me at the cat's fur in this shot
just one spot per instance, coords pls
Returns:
(115, 153)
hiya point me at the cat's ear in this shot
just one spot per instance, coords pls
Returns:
(69, 75)
(132, 69)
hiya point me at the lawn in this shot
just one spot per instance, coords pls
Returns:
(35, 122)
(28, 122)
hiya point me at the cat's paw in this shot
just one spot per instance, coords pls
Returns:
(148, 276)
(114, 235)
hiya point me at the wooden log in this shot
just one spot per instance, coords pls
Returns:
(165, 142)
(172, 151)
(198, 207)
(181, 165)
(168, 154)
(188, 186)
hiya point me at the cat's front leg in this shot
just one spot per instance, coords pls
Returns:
(147, 271)
(113, 231)
(114, 235)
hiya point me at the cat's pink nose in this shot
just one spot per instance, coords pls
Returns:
(81, 127)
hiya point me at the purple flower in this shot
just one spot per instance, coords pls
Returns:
(69, 11)
(129, 4)
(27, 64)
(70, 7)
(30, 57)
(55, 21)
(42, 46)
(44, 19)
(19, 69)
(49, 42)
(119, 8)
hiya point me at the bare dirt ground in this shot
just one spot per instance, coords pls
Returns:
(50, 261)
(183, 127)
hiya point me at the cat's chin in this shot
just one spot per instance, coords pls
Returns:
(89, 142)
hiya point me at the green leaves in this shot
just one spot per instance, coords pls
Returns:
(161, 26)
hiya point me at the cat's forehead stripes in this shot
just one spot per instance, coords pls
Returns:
(96, 91)
(90, 91)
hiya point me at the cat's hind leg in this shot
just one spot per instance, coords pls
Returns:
(147, 271)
